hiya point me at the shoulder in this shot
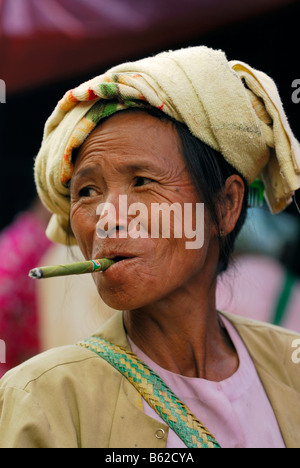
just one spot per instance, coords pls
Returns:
(71, 363)
(274, 349)
(69, 367)
(55, 366)
(261, 328)
(50, 400)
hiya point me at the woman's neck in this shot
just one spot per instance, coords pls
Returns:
(183, 335)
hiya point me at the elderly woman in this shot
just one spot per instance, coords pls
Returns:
(168, 370)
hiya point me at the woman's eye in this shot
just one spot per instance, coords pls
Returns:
(140, 181)
(87, 192)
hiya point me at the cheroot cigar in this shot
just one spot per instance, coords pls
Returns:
(79, 268)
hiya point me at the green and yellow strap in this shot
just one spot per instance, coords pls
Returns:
(155, 392)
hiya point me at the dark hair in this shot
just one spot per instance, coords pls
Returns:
(209, 171)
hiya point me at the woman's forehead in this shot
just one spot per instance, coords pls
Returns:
(132, 139)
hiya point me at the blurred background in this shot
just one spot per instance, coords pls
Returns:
(49, 46)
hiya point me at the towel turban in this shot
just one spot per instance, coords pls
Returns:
(230, 106)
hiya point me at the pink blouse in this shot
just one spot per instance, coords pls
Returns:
(236, 410)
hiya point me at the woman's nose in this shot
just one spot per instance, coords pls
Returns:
(113, 219)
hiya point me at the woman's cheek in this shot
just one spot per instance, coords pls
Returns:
(83, 223)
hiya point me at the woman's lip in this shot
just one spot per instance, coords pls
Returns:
(122, 259)
(119, 264)
(118, 258)
(122, 256)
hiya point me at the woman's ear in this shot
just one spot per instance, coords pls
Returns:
(231, 204)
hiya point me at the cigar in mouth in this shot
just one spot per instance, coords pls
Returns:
(79, 268)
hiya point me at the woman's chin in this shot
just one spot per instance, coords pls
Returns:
(120, 300)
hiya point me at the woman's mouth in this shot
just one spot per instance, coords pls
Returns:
(119, 258)
(120, 268)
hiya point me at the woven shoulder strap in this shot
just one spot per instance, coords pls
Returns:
(155, 392)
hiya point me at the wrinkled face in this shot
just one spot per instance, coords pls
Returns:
(135, 158)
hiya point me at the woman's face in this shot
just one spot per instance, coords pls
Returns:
(136, 158)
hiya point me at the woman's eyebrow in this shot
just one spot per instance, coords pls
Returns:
(132, 167)
(143, 167)
(86, 171)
